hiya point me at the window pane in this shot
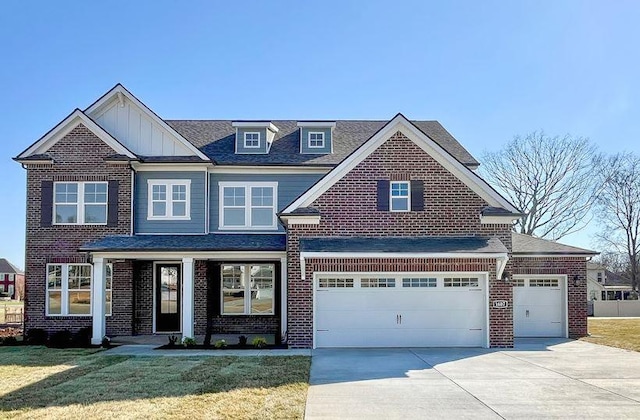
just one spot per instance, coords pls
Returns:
(79, 302)
(232, 289)
(233, 196)
(159, 208)
(55, 303)
(179, 192)
(159, 192)
(107, 304)
(95, 193)
(169, 291)
(179, 208)
(262, 217)
(262, 196)
(233, 217)
(66, 193)
(66, 213)
(399, 204)
(262, 289)
(399, 189)
(54, 277)
(95, 213)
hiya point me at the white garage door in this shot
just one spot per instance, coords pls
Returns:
(538, 307)
(405, 310)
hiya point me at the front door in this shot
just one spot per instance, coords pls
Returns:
(168, 293)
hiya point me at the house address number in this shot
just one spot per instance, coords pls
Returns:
(500, 304)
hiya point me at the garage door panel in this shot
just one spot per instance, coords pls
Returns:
(400, 316)
(538, 311)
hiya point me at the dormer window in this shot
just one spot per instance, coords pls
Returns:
(254, 137)
(252, 140)
(316, 137)
(316, 140)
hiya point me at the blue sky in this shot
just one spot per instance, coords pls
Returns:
(487, 70)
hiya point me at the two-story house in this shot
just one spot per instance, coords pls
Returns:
(320, 233)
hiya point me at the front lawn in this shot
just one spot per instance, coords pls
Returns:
(622, 333)
(37, 382)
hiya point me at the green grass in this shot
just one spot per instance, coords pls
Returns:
(11, 304)
(621, 333)
(37, 382)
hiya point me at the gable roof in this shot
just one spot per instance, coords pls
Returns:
(63, 128)
(528, 245)
(435, 150)
(7, 268)
(119, 91)
(216, 138)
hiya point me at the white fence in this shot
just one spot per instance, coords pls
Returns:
(616, 308)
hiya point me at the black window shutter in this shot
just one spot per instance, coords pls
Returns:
(112, 208)
(383, 195)
(46, 203)
(417, 195)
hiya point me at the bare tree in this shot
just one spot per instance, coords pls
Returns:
(550, 179)
(618, 209)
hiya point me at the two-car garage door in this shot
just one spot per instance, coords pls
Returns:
(404, 310)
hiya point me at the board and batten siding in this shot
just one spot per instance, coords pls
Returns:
(197, 203)
(132, 127)
(304, 140)
(290, 187)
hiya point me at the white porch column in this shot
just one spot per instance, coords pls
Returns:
(97, 300)
(187, 297)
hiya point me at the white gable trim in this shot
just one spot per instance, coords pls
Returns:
(400, 123)
(74, 119)
(118, 91)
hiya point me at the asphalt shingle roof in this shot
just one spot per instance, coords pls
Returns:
(403, 244)
(216, 139)
(7, 268)
(210, 242)
(526, 244)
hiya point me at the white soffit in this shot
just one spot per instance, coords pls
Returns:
(130, 121)
(74, 119)
(400, 123)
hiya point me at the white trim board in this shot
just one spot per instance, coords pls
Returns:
(63, 128)
(402, 124)
(117, 92)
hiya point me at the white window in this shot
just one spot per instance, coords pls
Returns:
(420, 282)
(69, 289)
(316, 140)
(378, 282)
(248, 206)
(460, 282)
(400, 196)
(248, 289)
(600, 277)
(335, 282)
(252, 140)
(543, 283)
(169, 199)
(80, 203)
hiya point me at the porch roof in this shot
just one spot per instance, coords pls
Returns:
(438, 244)
(210, 242)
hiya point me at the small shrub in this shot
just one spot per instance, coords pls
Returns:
(242, 340)
(220, 344)
(189, 341)
(259, 342)
(37, 336)
(82, 337)
(10, 341)
(173, 340)
(61, 339)
(106, 342)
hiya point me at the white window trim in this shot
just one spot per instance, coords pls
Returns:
(309, 140)
(246, 278)
(408, 183)
(79, 204)
(64, 291)
(169, 183)
(245, 140)
(247, 205)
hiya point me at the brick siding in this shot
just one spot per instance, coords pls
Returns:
(79, 156)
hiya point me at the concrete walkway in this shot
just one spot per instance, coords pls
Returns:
(537, 379)
(149, 350)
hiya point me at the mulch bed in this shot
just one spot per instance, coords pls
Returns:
(228, 347)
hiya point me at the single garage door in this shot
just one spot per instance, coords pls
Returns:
(406, 310)
(538, 307)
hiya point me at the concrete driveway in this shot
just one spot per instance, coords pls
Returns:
(537, 379)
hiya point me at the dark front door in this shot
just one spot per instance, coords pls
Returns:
(168, 293)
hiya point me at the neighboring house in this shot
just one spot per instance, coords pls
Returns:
(11, 278)
(596, 278)
(607, 285)
(321, 233)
